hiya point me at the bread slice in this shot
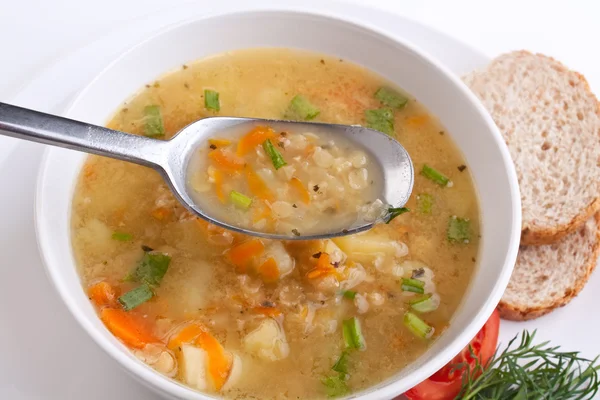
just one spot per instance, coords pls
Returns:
(550, 276)
(550, 121)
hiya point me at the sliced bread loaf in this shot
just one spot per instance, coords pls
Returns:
(551, 122)
(547, 277)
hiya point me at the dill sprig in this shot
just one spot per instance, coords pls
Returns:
(527, 372)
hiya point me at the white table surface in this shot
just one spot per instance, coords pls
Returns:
(36, 33)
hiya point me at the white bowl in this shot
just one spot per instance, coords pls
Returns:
(442, 93)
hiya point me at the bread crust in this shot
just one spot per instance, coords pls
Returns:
(515, 312)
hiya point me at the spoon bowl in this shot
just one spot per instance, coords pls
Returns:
(171, 157)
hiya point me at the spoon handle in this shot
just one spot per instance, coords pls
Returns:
(35, 126)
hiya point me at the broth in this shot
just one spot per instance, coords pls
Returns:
(253, 318)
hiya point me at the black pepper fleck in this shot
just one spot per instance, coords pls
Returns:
(295, 232)
(316, 188)
(344, 230)
(212, 146)
(267, 303)
(294, 205)
(185, 66)
(147, 248)
(417, 273)
(147, 86)
(317, 255)
(322, 61)
(473, 259)
(186, 85)
(284, 134)
(441, 132)
(461, 168)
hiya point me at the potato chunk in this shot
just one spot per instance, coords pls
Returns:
(268, 341)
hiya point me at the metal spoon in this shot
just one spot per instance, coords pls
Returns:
(170, 157)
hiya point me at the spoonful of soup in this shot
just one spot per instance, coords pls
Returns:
(274, 179)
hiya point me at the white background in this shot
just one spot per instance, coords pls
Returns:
(34, 34)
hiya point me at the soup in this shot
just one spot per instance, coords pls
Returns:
(253, 318)
(286, 181)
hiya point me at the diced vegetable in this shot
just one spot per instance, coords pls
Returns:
(219, 363)
(240, 200)
(102, 294)
(122, 236)
(153, 122)
(161, 213)
(417, 326)
(301, 189)
(413, 285)
(425, 203)
(255, 137)
(135, 297)
(267, 342)
(301, 109)
(274, 154)
(218, 181)
(341, 365)
(459, 230)
(335, 386)
(211, 100)
(425, 304)
(352, 333)
(391, 98)
(269, 271)
(434, 175)
(192, 363)
(366, 245)
(242, 254)
(152, 268)
(349, 294)
(187, 334)
(218, 142)
(130, 328)
(394, 212)
(226, 161)
(381, 119)
(257, 186)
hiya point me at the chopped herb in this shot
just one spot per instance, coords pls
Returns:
(417, 326)
(394, 212)
(352, 333)
(434, 175)
(301, 109)
(317, 255)
(153, 122)
(274, 154)
(135, 297)
(381, 120)
(122, 236)
(335, 386)
(341, 365)
(459, 230)
(152, 268)
(417, 273)
(413, 285)
(211, 100)
(425, 304)
(147, 249)
(213, 147)
(296, 232)
(391, 98)
(425, 203)
(240, 200)
(316, 188)
(461, 168)
(349, 294)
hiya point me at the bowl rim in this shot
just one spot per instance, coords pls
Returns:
(168, 386)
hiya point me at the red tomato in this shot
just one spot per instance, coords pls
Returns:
(446, 383)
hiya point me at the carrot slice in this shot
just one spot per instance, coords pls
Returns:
(218, 178)
(128, 327)
(257, 186)
(268, 311)
(219, 364)
(323, 268)
(102, 294)
(243, 253)
(301, 189)
(324, 261)
(226, 162)
(269, 271)
(254, 138)
(219, 142)
(186, 335)
(161, 213)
